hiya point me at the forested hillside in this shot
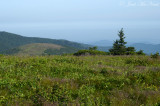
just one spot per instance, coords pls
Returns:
(10, 41)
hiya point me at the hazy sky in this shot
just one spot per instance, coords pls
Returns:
(82, 20)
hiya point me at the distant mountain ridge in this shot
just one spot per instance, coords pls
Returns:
(148, 48)
(101, 43)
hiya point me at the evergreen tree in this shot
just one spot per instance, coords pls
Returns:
(119, 47)
(115, 49)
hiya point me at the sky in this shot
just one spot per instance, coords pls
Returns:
(82, 20)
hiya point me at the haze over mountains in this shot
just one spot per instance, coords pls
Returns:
(14, 44)
(110, 43)
(146, 46)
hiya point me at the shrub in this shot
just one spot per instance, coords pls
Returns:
(140, 52)
(130, 51)
(93, 48)
(155, 56)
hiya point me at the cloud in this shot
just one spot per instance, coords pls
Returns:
(154, 4)
(130, 3)
(140, 3)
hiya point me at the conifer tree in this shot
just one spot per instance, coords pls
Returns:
(119, 47)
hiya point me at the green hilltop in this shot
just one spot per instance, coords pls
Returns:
(39, 49)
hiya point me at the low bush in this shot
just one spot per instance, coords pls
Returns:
(90, 52)
(140, 52)
(155, 56)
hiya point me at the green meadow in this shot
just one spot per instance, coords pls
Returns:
(79, 80)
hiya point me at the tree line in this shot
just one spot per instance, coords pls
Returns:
(118, 48)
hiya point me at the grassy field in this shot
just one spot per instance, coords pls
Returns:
(84, 80)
